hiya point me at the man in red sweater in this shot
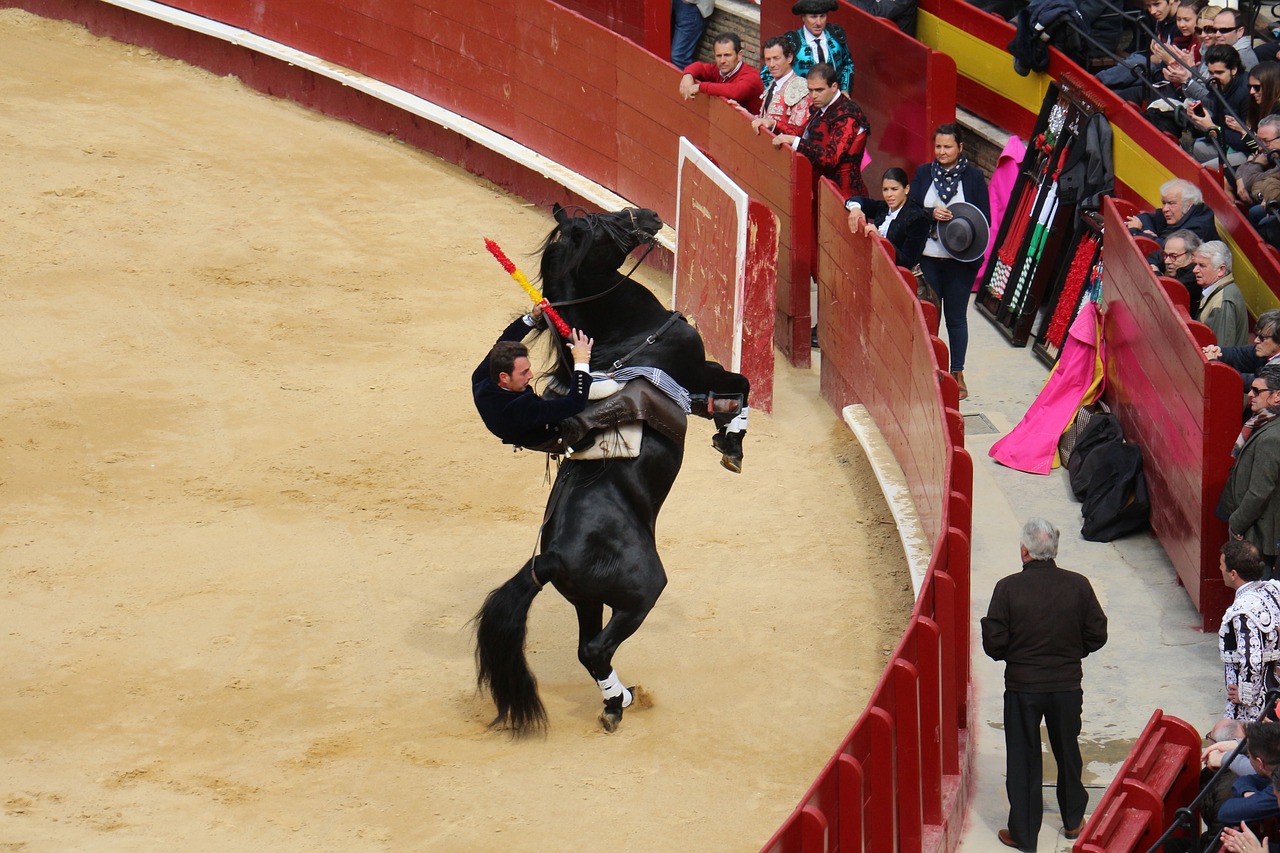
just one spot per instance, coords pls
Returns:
(728, 77)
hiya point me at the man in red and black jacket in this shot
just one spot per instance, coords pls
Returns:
(836, 134)
(728, 77)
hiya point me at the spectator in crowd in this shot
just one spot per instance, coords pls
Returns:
(1250, 502)
(785, 106)
(1042, 622)
(1213, 138)
(1130, 79)
(901, 12)
(1263, 163)
(1249, 638)
(835, 135)
(1264, 93)
(1179, 250)
(897, 218)
(1227, 29)
(728, 77)
(818, 41)
(1253, 797)
(949, 179)
(688, 23)
(1251, 358)
(1181, 206)
(1222, 306)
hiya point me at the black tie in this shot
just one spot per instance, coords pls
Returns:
(817, 43)
(768, 97)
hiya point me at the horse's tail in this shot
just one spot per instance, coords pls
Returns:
(500, 661)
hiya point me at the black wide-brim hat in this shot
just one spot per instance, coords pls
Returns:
(814, 7)
(966, 235)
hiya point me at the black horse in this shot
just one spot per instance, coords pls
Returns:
(597, 540)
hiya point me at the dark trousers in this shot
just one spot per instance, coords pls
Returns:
(1025, 774)
(953, 280)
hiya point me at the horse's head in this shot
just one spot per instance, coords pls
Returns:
(587, 247)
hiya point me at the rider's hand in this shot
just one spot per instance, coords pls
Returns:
(581, 346)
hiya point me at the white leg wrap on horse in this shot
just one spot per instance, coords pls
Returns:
(612, 687)
(738, 424)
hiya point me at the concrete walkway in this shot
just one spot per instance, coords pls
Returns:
(1155, 657)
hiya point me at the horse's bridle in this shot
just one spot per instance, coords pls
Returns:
(648, 242)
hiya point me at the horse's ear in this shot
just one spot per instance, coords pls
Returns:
(558, 212)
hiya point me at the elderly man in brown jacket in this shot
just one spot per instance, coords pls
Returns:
(1250, 498)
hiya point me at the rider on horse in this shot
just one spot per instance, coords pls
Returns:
(507, 403)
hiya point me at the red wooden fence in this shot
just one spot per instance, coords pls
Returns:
(1160, 775)
(1182, 410)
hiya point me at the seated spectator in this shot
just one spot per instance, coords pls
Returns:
(1181, 206)
(1191, 83)
(1128, 78)
(728, 77)
(819, 41)
(785, 107)
(1249, 639)
(901, 12)
(1179, 249)
(1250, 502)
(900, 220)
(688, 23)
(1213, 137)
(1253, 797)
(836, 134)
(1251, 358)
(1261, 164)
(1222, 306)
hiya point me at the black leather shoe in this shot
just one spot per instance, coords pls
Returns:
(813, 338)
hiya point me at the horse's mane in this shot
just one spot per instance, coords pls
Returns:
(558, 260)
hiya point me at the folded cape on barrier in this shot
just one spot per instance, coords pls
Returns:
(1077, 380)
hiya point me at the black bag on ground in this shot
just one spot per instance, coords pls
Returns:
(1102, 428)
(1117, 501)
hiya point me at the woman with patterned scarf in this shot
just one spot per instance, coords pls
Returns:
(947, 180)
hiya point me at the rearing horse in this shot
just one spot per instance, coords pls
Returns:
(597, 543)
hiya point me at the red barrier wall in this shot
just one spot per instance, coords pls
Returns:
(896, 781)
(1182, 410)
(1160, 776)
(645, 22)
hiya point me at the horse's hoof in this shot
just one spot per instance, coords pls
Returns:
(734, 464)
(609, 719)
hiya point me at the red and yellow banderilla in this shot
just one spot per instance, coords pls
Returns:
(561, 326)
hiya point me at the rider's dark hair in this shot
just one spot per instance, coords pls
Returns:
(502, 358)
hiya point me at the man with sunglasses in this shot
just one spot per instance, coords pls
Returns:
(1250, 501)
(1227, 29)
(1251, 358)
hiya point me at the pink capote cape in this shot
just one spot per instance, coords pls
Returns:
(1076, 380)
(1002, 181)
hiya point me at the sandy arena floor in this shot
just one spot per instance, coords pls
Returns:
(249, 509)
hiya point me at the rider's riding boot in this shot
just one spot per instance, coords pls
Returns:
(730, 446)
